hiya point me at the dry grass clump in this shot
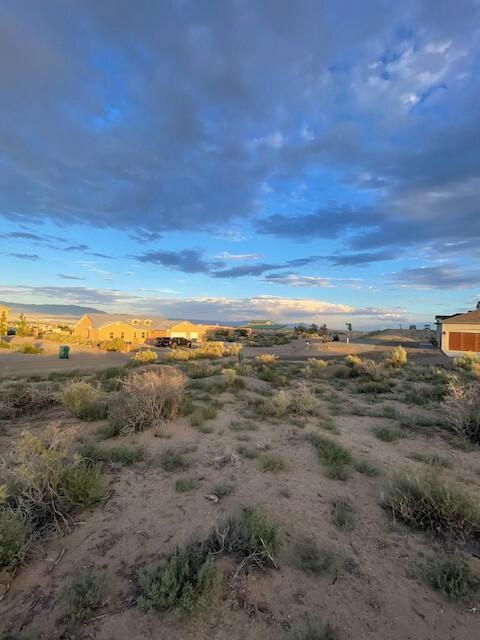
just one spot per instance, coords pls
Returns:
(315, 368)
(301, 402)
(463, 410)
(44, 487)
(466, 362)
(452, 576)
(201, 369)
(22, 398)
(266, 359)
(32, 349)
(397, 357)
(84, 400)
(318, 559)
(335, 457)
(272, 462)
(353, 360)
(211, 349)
(424, 501)
(148, 398)
(147, 356)
(310, 629)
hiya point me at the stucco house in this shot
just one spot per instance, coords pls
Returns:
(459, 333)
(98, 327)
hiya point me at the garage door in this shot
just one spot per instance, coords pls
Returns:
(462, 341)
(178, 334)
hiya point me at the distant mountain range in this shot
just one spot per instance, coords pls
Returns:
(50, 309)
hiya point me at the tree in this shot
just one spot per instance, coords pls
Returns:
(349, 329)
(478, 306)
(22, 327)
(3, 324)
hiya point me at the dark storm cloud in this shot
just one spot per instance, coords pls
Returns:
(441, 277)
(188, 260)
(365, 258)
(167, 116)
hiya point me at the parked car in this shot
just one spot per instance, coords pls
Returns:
(163, 342)
(180, 342)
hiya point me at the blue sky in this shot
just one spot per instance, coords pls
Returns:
(306, 161)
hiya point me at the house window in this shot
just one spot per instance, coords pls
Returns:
(122, 335)
(111, 335)
(143, 334)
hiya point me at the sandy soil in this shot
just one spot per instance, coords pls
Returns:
(144, 519)
(84, 358)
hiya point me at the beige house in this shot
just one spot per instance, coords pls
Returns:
(459, 333)
(98, 327)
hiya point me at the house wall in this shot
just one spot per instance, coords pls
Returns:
(189, 330)
(123, 331)
(458, 345)
(84, 329)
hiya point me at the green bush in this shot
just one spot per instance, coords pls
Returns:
(84, 400)
(308, 556)
(424, 501)
(272, 462)
(116, 455)
(185, 485)
(86, 592)
(308, 629)
(342, 514)
(172, 460)
(186, 581)
(222, 489)
(365, 468)
(14, 534)
(451, 576)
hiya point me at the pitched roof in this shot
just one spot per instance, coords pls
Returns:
(102, 319)
(471, 317)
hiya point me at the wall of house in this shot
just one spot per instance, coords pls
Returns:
(84, 329)
(459, 343)
(123, 331)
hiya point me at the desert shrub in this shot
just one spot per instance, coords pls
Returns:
(185, 485)
(272, 462)
(22, 398)
(303, 402)
(312, 558)
(201, 369)
(342, 514)
(365, 468)
(3, 344)
(107, 431)
(353, 360)
(172, 460)
(397, 357)
(266, 359)
(463, 410)
(466, 361)
(14, 533)
(148, 398)
(276, 406)
(432, 459)
(112, 455)
(268, 339)
(247, 452)
(117, 344)
(222, 489)
(32, 349)
(45, 486)
(387, 434)
(186, 580)
(315, 368)
(334, 456)
(309, 629)
(147, 356)
(84, 400)
(251, 536)
(424, 501)
(451, 576)
(246, 425)
(374, 387)
(86, 592)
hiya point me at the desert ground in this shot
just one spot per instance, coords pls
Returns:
(312, 449)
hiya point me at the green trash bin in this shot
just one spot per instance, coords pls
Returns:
(64, 352)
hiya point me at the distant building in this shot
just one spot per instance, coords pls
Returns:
(459, 333)
(413, 327)
(99, 327)
(259, 323)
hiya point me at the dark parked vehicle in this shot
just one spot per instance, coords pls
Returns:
(173, 343)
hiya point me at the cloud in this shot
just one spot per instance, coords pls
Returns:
(442, 277)
(188, 260)
(226, 255)
(281, 309)
(64, 276)
(365, 258)
(32, 257)
(298, 280)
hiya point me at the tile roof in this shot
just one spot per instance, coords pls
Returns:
(102, 319)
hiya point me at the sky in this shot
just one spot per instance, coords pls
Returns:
(301, 161)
